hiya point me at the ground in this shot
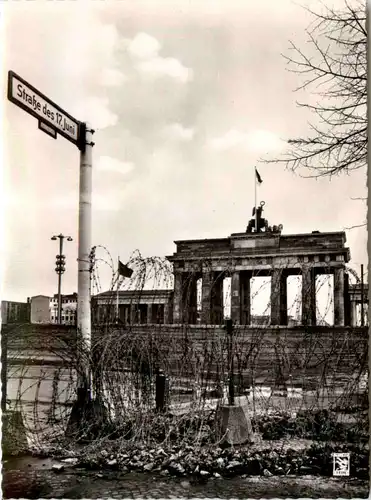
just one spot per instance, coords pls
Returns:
(31, 477)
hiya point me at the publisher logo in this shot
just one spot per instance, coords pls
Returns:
(341, 464)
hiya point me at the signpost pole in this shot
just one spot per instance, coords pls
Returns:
(84, 249)
(54, 120)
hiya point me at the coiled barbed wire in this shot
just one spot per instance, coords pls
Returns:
(125, 360)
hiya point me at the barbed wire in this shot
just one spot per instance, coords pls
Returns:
(287, 369)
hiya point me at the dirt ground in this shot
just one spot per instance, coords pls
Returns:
(30, 477)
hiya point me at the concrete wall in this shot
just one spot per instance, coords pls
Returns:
(266, 354)
(40, 309)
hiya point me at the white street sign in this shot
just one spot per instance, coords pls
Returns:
(34, 102)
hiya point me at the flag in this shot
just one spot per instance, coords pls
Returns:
(124, 270)
(258, 178)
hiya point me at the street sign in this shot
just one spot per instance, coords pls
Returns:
(36, 104)
(47, 129)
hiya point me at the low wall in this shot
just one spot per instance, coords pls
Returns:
(266, 353)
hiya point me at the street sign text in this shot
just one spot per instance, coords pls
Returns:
(34, 102)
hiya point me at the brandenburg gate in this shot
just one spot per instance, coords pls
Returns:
(260, 251)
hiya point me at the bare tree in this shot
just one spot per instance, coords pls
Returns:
(337, 74)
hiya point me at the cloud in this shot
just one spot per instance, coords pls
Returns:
(112, 77)
(229, 140)
(109, 164)
(166, 66)
(95, 110)
(145, 49)
(178, 132)
(260, 141)
(144, 46)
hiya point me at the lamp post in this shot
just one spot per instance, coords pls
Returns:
(60, 268)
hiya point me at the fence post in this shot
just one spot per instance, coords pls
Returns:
(362, 299)
(229, 328)
(4, 364)
(162, 392)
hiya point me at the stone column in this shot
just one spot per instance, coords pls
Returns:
(192, 300)
(127, 315)
(149, 314)
(308, 292)
(279, 297)
(339, 296)
(353, 313)
(245, 298)
(133, 318)
(217, 299)
(236, 298)
(347, 311)
(206, 298)
(167, 319)
(283, 298)
(177, 307)
(275, 296)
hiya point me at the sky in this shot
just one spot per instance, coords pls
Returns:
(186, 97)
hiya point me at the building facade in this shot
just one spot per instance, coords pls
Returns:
(15, 312)
(133, 307)
(69, 309)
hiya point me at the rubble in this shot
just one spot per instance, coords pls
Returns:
(58, 468)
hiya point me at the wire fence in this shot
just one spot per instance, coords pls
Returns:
(159, 381)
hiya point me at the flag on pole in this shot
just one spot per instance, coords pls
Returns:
(124, 270)
(258, 178)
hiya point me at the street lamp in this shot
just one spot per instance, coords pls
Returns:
(60, 268)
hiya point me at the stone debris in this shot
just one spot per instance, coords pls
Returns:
(149, 467)
(177, 468)
(71, 461)
(204, 473)
(58, 468)
(233, 464)
(192, 458)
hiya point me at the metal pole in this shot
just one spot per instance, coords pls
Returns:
(61, 237)
(117, 293)
(229, 327)
(362, 299)
(256, 211)
(84, 249)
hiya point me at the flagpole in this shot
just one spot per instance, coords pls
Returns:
(117, 291)
(256, 211)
